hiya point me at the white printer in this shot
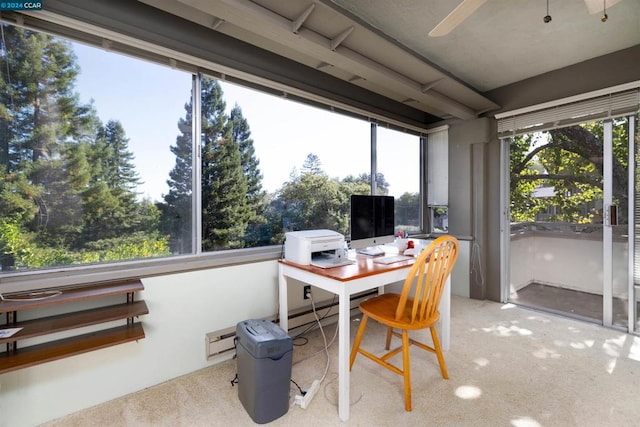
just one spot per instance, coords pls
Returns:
(307, 247)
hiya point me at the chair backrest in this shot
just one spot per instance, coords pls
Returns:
(425, 282)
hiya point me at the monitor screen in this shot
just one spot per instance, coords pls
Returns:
(372, 220)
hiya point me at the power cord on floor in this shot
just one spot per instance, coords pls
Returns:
(475, 259)
(305, 399)
(334, 402)
(333, 339)
(312, 326)
(324, 338)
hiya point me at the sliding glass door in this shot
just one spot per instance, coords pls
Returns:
(569, 199)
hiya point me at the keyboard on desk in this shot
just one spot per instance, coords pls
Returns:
(391, 259)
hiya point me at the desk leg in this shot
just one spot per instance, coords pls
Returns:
(445, 316)
(344, 348)
(283, 310)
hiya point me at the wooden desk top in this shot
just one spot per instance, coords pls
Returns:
(363, 267)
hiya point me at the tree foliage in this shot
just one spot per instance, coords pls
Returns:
(67, 183)
(313, 200)
(568, 163)
(177, 207)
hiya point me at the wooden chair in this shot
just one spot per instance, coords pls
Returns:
(415, 308)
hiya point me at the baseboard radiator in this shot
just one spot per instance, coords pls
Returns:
(220, 345)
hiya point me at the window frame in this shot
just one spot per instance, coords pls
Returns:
(100, 37)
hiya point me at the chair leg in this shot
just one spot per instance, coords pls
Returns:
(406, 369)
(356, 343)
(436, 346)
(389, 334)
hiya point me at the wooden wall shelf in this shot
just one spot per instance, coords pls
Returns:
(16, 357)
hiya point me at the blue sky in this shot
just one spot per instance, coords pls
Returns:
(149, 99)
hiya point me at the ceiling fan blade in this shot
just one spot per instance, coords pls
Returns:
(455, 18)
(597, 6)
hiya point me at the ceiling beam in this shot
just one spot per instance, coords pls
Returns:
(272, 26)
(302, 18)
(337, 41)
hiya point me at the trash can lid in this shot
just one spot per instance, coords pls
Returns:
(263, 338)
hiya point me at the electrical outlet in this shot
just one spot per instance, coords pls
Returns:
(307, 292)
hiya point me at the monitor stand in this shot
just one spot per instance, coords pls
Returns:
(371, 251)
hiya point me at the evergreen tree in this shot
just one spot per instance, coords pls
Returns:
(120, 167)
(39, 105)
(312, 165)
(66, 182)
(225, 214)
(111, 209)
(256, 234)
(41, 119)
(176, 211)
(121, 176)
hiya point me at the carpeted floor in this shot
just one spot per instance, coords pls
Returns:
(508, 366)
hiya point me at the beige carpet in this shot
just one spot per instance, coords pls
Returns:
(508, 366)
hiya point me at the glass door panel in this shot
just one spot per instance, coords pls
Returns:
(562, 186)
(618, 222)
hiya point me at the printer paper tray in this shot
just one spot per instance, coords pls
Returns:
(330, 263)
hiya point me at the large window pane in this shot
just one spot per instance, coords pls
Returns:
(398, 162)
(271, 165)
(85, 140)
(96, 150)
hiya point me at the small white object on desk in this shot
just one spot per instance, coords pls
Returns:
(397, 247)
(391, 259)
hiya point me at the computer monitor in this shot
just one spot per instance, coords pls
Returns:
(372, 221)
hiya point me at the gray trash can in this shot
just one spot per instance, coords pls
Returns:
(263, 356)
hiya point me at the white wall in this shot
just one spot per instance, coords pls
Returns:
(182, 309)
(570, 263)
(461, 271)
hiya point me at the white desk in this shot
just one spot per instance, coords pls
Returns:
(345, 281)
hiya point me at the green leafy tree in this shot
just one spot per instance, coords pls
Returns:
(569, 162)
(364, 179)
(311, 200)
(407, 211)
(525, 171)
(17, 195)
(360, 184)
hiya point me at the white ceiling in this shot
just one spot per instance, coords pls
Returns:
(383, 45)
(505, 41)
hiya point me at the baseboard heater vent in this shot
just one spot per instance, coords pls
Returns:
(220, 344)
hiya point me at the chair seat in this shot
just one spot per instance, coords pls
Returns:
(383, 309)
